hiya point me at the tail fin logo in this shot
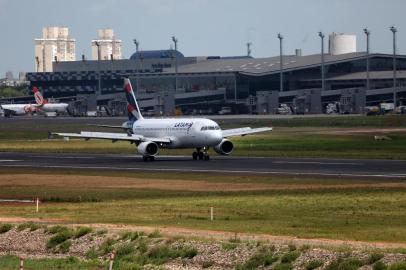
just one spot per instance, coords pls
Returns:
(39, 99)
(132, 107)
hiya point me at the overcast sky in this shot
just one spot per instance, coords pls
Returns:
(203, 27)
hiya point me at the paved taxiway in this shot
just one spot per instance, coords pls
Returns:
(217, 164)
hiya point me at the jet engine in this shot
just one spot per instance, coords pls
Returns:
(148, 149)
(225, 147)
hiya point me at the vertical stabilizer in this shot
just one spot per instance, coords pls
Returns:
(39, 99)
(132, 105)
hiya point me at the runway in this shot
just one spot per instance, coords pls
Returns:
(218, 164)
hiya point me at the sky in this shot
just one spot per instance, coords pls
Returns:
(203, 27)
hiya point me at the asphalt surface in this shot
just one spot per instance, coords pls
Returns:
(218, 164)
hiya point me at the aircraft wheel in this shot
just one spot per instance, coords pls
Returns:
(207, 157)
(200, 155)
(194, 155)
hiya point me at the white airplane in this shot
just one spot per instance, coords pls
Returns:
(152, 134)
(42, 106)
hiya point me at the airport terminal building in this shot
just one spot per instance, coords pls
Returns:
(166, 79)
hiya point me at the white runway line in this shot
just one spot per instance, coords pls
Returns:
(62, 157)
(317, 162)
(8, 160)
(183, 170)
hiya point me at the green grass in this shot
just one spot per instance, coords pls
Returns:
(345, 264)
(295, 137)
(295, 144)
(82, 231)
(356, 214)
(263, 258)
(10, 262)
(59, 238)
(5, 228)
(313, 264)
(28, 225)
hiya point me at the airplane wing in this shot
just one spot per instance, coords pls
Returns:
(87, 135)
(244, 131)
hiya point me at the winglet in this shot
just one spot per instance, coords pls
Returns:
(39, 99)
(132, 106)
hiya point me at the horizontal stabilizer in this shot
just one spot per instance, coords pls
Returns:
(105, 126)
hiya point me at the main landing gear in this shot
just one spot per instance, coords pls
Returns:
(148, 158)
(201, 155)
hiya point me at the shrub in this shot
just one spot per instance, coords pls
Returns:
(64, 246)
(58, 239)
(129, 236)
(379, 265)
(161, 254)
(82, 231)
(283, 266)
(187, 252)
(92, 254)
(29, 225)
(142, 247)
(374, 257)
(291, 247)
(207, 264)
(347, 264)
(398, 266)
(57, 229)
(229, 246)
(107, 246)
(101, 232)
(290, 257)
(155, 234)
(313, 264)
(5, 228)
(258, 260)
(270, 259)
(124, 249)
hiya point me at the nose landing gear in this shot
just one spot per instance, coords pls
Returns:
(201, 155)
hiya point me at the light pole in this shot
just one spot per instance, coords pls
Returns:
(137, 45)
(249, 48)
(280, 62)
(98, 65)
(321, 35)
(98, 50)
(175, 41)
(367, 33)
(394, 30)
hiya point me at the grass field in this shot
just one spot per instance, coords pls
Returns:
(345, 137)
(348, 209)
(335, 208)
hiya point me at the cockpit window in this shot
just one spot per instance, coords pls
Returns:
(210, 128)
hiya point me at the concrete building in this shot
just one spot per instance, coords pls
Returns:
(54, 46)
(106, 46)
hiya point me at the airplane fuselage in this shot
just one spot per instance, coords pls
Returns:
(19, 109)
(183, 132)
(22, 109)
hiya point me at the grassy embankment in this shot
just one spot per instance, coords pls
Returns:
(295, 137)
(350, 209)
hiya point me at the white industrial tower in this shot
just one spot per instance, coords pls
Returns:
(106, 46)
(55, 45)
